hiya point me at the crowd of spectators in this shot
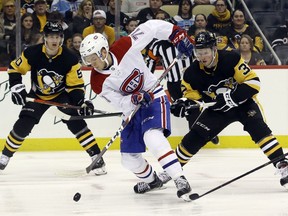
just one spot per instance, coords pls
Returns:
(80, 18)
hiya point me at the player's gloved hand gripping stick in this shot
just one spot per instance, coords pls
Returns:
(125, 123)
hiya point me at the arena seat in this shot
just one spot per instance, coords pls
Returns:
(263, 5)
(269, 31)
(204, 9)
(284, 7)
(269, 18)
(172, 10)
(281, 52)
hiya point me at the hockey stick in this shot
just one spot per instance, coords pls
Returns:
(52, 103)
(195, 196)
(202, 105)
(128, 119)
(64, 116)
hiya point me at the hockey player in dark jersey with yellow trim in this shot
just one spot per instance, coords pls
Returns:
(55, 76)
(223, 77)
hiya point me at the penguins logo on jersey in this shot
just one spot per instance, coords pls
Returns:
(48, 81)
(133, 83)
(221, 87)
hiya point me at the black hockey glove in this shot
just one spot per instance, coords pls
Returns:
(224, 102)
(19, 94)
(182, 107)
(87, 108)
(144, 98)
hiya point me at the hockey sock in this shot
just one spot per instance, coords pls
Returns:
(13, 143)
(138, 165)
(270, 147)
(159, 146)
(88, 141)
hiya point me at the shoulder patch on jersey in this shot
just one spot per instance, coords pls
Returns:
(96, 81)
(120, 47)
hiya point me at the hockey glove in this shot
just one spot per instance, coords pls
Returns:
(19, 94)
(144, 98)
(87, 108)
(182, 41)
(182, 107)
(224, 102)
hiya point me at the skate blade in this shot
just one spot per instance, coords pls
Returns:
(157, 189)
(186, 197)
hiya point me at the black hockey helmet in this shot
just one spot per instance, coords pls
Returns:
(205, 40)
(53, 27)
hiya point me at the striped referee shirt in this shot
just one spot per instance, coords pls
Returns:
(164, 51)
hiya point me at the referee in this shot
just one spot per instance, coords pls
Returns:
(164, 52)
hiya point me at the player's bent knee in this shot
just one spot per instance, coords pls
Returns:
(24, 125)
(257, 130)
(156, 142)
(193, 142)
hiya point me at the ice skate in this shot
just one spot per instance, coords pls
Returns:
(4, 160)
(183, 188)
(282, 167)
(164, 177)
(143, 187)
(99, 168)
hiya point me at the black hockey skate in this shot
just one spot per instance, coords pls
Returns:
(143, 187)
(282, 167)
(183, 188)
(99, 168)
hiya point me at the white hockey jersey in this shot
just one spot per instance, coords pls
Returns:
(128, 72)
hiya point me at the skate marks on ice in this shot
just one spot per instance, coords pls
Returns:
(39, 183)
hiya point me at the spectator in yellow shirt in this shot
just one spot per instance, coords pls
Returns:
(99, 26)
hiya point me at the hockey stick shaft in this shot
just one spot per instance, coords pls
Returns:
(196, 196)
(68, 117)
(203, 106)
(126, 122)
(52, 103)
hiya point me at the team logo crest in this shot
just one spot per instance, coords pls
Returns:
(48, 81)
(133, 83)
(221, 87)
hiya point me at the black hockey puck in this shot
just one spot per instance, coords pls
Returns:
(77, 197)
(194, 196)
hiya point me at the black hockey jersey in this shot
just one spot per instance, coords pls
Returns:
(49, 76)
(200, 83)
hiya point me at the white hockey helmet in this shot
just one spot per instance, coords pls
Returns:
(93, 44)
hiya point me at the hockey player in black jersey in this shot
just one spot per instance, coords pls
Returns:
(55, 76)
(224, 78)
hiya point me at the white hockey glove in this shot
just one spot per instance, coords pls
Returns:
(87, 108)
(19, 94)
(224, 102)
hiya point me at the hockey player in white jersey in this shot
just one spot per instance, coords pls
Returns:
(121, 76)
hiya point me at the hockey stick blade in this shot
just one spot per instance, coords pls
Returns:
(126, 122)
(63, 105)
(67, 117)
(118, 132)
(195, 196)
